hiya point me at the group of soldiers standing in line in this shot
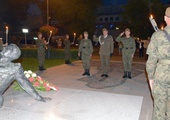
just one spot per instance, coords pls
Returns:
(86, 49)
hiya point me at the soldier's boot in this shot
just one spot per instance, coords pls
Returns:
(66, 61)
(88, 72)
(125, 74)
(129, 75)
(85, 72)
(69, 62)
(40, 68)
(43, 68)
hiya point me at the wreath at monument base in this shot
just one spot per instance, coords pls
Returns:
(37, 82)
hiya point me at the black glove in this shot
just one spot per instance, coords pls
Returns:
(111, 54)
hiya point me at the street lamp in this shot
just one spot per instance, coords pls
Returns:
(25, 31)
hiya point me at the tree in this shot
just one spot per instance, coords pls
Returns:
(158, 11)
(137, 14)
(74, 15)
(13, 12)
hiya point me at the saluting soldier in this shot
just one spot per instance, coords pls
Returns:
(86, 50)
(106, 51)
(67, 50)
(128, 51)
(158, 69)
(41, 45)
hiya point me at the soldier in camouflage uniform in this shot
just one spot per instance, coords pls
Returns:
(41, 44)
(86, 50)
(106, 51)
(128, 51)
(67, 45)
(158, 69)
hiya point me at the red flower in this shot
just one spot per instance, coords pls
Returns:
(38, 78)
(44, 84)
(31, 79)
(37, 84)
(47, 88)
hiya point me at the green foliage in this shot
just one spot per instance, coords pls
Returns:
(54, 53)
(13, 12)
(75, 15)
(137, 13)
(32, 63)
(158, 11)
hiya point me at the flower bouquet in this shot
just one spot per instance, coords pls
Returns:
(37, 82)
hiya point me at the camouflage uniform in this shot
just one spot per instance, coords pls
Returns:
(106, 49)
(41, 52)
(158, 69)
(86, 49)
(67, 45)
(129, 48)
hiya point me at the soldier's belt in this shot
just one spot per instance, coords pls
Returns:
(164, 61)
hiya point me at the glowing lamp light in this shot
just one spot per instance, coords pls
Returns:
(25, 30)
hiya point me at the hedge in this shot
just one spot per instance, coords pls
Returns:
(51, 53)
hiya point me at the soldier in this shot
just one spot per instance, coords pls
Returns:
(106, 51)
(67, 45)
(86, 50)
(128, 51)
(41, 44)
(158, 69)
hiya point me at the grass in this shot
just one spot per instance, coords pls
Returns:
(32, 63)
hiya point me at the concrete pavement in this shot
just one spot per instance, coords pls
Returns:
(75, 100)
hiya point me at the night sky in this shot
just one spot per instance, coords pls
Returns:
(120, 2)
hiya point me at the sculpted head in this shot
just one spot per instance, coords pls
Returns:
(10, 53)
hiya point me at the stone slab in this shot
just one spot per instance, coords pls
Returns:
(71, 104)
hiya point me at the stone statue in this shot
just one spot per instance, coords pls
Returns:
(13, 71)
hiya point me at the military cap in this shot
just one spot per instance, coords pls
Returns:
(85, 32)
(167, 12)
(39, 33)
(127, 29)
(104, 29)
